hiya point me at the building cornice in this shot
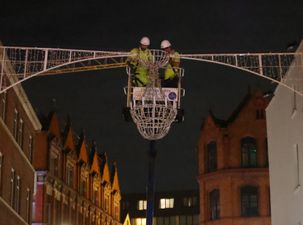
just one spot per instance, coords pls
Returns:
(235, 172)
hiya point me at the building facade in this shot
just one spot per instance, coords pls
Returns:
(285, 144)
(74, 183)
(233, 166)
(171, 208)
(18, 128)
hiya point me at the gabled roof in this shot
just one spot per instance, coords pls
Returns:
(105, 168)
(82, 150)
(212, 119)
(114, 178)
(239, 108)
(53, 125)
(69, 142)
(95, 164)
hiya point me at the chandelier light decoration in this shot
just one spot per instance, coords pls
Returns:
(152, 109)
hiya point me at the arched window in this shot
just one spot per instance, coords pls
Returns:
(249, 201)
(248, 152)
(211, 156)
(214, 204)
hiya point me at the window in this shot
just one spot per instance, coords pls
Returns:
(297, 164)
(185, 220)
(190, 201)
(260, 114)
(20, 133)
(125, 205)
(166, 203)
(294, 102)
(106, 207)
(140, 221)
(28, 205)
(196, 220)
(1, 163)
(12, 191)
(96, 196)
(249, 201)
(54, 165)
(142, 205)
(30, 147)
(249, 152)
(3, 99)
(15, 125)
(17, 194)
(83, 187)
(211, 157)
(69, 176)
(214, 204)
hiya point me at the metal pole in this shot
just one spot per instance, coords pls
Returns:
(151, 183)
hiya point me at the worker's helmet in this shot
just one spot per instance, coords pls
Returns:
(145, 41)
(165, 44)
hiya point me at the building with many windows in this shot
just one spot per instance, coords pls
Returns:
(171, 208)
(233, 166)
(18, 128)
(75, 184)
(285, 128)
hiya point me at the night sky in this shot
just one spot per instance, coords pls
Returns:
(94, 99)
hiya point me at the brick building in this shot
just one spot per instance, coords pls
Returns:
(18, 128)
(233, 166)
(49, 176)
(74, 183)
(171, 208)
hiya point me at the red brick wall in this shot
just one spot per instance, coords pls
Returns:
(230, 177)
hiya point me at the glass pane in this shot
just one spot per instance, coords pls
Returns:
(182, 220)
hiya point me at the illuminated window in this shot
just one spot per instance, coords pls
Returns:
(249, 152)
(140, 221)
(166, 203)
(142, 205)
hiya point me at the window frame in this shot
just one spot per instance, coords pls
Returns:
(214, 204)
(211, 157)
(166, 203)
(249, 152)
(247, 205)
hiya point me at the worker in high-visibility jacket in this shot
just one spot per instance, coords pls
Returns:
(140, 72)
(170, 77)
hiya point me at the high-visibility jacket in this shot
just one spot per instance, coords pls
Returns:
(174, 61)
(141, 72)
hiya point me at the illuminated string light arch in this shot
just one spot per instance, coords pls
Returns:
(22, 63)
